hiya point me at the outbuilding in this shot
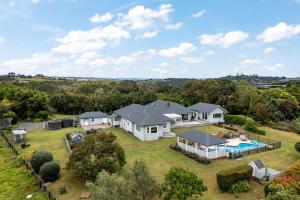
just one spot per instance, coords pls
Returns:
(261, 171)
(93, 120)
(203, 144)
(19, 135)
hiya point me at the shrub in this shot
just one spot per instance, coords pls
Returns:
(252, 127)
(62, 189)
(237, 119)
(297, 146)
(239, 187)
(42, 115)
(39, 158)
(50, 171)
(227, 178)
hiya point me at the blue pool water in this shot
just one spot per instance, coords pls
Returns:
(244, 146)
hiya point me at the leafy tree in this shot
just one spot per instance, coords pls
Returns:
(49, 171)
(39, 158)
(96, 153)
(297, 146)
(110, 186)
(143, 184)
(181, 184)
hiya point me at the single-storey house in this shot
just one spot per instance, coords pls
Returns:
(203, 144)
(151, 121)
(210, 113)
(93, 120)
(261, 171)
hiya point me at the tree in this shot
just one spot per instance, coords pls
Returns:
(49, 171)
(39, 158)
(143, 183)
(110, 186)
(181, 184)
(96, 153)
(135, 183)
(297, 146)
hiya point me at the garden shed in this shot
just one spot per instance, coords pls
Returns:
(19, 135)
(261, 171)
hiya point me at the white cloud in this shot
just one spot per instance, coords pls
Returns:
(91, 40)
(150, 34)
(163, 64)
(101, 18)
(279, 32)
(12, 3)
(209, 53)
(35, 1)
(125, 60)
(141, 18)
(2, 40)
(248, 62)
(174, 26)
(224, 39)
(192, 60)
(268, 50)
(183, 49)
(274, 67)
(199, 14)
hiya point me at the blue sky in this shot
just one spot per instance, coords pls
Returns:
(150, 38)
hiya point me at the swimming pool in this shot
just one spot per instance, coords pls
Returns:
(244, 146)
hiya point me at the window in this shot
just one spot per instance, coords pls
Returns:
(165, 125)
(204, 115)
(92, 119)
(138, 128)
(217, 115)
(154, 129)
(191, 143)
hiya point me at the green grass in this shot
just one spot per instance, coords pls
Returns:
(60, 116)
(15, 181)
(160, 158)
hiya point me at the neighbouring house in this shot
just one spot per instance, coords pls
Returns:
(210, 113)
(151, 121)
(93, 120)
(203, 144)
(262, 172)
(19, 136)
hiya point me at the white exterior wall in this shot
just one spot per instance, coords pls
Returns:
(142, 133)
(90, 121)
(210, 118)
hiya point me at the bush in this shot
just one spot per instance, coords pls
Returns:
(62, 189)
(239, 187)
(50, 171)
(252, 127)
(227, 178)
(297, 146)
(42, 115)
(237, 119)
(39, 158)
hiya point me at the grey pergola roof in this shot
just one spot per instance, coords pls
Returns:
(97, 114)
(205, 107)
(205, 139)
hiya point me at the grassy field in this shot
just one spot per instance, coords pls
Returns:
(15, 182)
(160, 158)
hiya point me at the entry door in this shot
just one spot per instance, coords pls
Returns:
(204, 116)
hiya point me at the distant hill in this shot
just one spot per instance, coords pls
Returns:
(255, 79)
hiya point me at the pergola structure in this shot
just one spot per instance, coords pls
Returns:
(203, 144)
(176, 117)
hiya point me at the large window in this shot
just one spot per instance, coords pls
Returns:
(217, 115)
(154, 129)
(204, 116)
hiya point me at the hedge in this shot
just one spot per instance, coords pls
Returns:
(227, 178)
(237, 119)
(39, 158)
(50, 171)
(250, 126)
(297, 146)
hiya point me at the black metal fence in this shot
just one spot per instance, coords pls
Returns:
(270, 144)
(27, 164)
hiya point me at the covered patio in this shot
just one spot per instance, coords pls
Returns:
(203, 144)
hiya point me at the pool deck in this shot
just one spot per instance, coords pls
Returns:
(234, 142)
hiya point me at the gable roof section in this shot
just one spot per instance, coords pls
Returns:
(142, 115)
(203, 138)
(167, 107)
(259, 164)
(97, 114)
(205, 107)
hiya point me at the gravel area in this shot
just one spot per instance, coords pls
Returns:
(28, 126)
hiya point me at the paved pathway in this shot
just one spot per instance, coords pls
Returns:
(28, 126)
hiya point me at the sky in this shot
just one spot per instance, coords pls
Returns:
(150, 38)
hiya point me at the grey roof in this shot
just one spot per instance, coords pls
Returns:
(142, 115)
(259, 164)
(97, 114)
(205, 139)
(205, 107)
(152, 113)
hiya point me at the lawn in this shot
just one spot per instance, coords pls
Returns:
(15, 182)
(160, 158)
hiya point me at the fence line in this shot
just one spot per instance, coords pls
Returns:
(29, 167)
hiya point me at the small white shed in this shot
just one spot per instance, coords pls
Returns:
(261, 171)
(19, 135)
